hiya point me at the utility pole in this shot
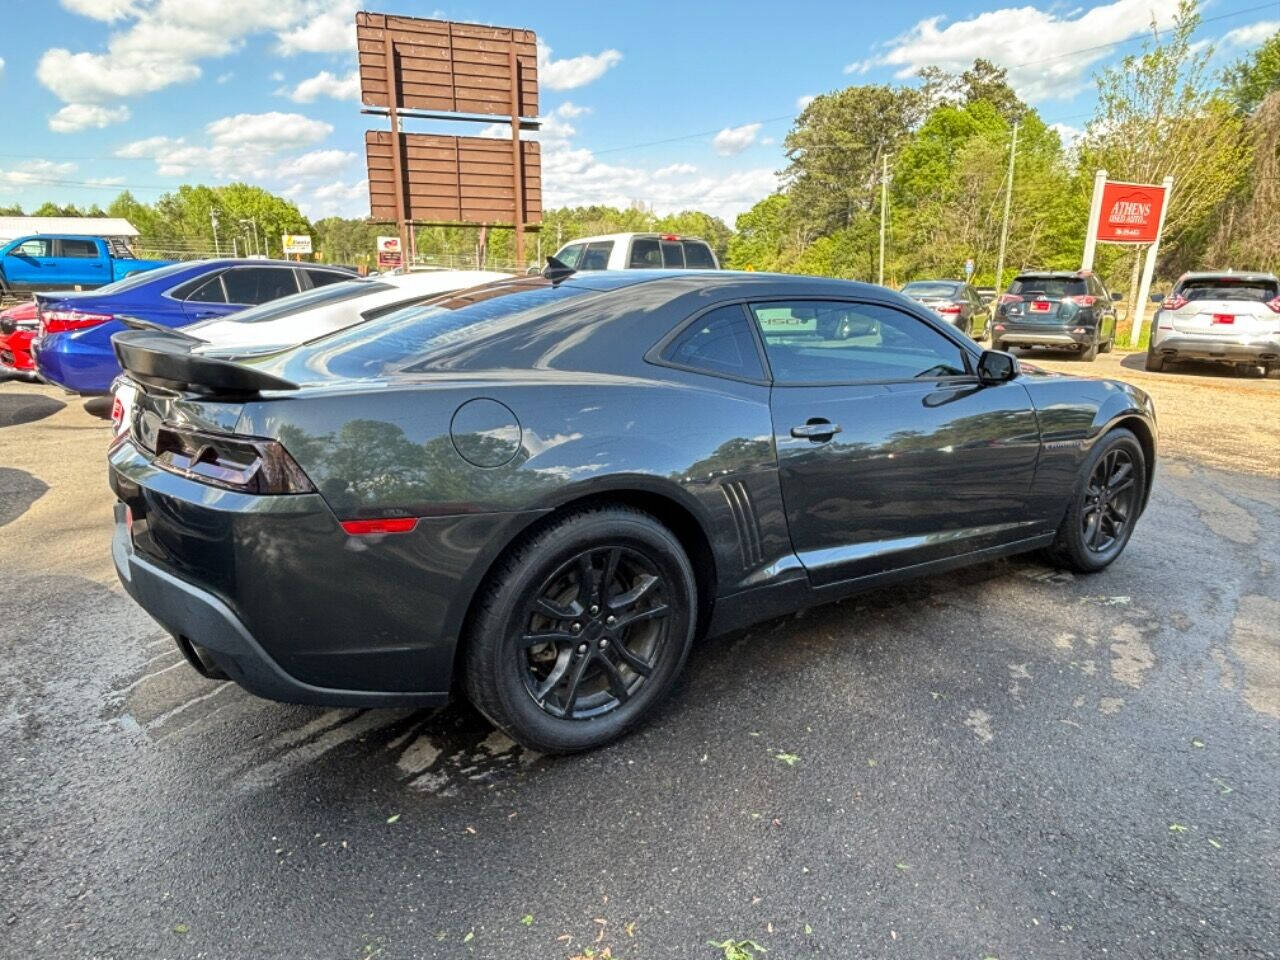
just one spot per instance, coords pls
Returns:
(213, 219)
(884, 208)
(1008, 200)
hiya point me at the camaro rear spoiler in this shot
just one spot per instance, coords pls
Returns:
(163, 360)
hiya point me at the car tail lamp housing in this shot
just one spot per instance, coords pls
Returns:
(1009, 298)
(1274, 304)
(1174, 302)
(65, 321)
(252, 465)
(1082, 300)
(949, 308)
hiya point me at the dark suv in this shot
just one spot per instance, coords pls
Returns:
(1056, 308)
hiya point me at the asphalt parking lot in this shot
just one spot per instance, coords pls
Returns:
(1007, 761)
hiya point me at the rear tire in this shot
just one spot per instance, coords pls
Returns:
(1106, 347)
(618, 627)
(1089, 353)
(1154, 361)
(1250, 370)
(1104, 505)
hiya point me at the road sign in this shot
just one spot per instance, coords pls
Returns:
(968, 268)
(1129, 213)
(389, 253)
(292, 243)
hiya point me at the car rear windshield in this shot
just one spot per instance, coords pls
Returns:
(298, 302)
(424, 336)
(1054, 288)
(931, 288)
(1229, 288)
(145, 276)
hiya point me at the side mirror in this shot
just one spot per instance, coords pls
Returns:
(1157, 298)
(996, 366)
(1117, 297)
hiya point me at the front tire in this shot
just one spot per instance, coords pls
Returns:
(1154, 362)
(1104, 505)
(581, 630)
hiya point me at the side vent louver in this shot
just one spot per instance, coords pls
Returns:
(744, 518)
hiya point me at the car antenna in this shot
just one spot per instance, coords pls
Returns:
(557, 270)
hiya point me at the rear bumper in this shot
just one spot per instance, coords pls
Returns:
(1048, 335)
(1174, 346)
(79, 367)
(198, 619)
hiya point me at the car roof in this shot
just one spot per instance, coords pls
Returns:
(629, 236)
(430, 280)
(1055, 274)
(1227, 274)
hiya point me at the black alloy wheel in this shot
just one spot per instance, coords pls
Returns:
(1106, 505)
(593, 632)
(581, 629)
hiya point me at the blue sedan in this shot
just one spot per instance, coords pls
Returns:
(73, 347)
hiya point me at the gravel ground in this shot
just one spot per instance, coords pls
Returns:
(1004, 762)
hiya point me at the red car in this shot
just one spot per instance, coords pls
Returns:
(18, 325)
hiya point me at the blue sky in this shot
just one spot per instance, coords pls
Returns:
(100, 95)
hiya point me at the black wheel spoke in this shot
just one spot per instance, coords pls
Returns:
(624, 601)
(1118, 488)
(557, 611)
(533, 639)
(586, 574)
(617, 683)
(610, 571)
(636, 663)
(1119, 472)
(653, 613)
(553, 679)
(575, 681)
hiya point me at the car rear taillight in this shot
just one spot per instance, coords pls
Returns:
(1082, 300)
(246, 464)
(949, 308)
(668, 236)
(1010, 298)
(1174, 302)
(62, 321)
(117, 412)
(1274, 304)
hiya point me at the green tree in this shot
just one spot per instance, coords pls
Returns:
(1250, 80)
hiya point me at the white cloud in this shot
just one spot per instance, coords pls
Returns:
(675, 170)
(733, 140)
(326, 84)
(1068, 134)
(1028, 41)
(573, 72)
(247, 145)
(224, 77)
(37, 171)
(570, 110)
(1251, 35)
(104, 10)
(805, 100)
(316, 164)
(327, 27)
(75, 117)
(159, 43)
(335, 199)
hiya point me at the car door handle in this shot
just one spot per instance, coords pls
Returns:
(816, 430)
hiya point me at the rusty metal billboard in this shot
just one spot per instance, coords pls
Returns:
(412, 67)
(447, 67)
(452, 179)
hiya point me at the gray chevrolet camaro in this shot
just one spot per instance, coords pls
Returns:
(546, 488)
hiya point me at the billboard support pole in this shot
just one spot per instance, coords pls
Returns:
(397, 167)
(1149, 268)
(1095, 214)
(517, 154)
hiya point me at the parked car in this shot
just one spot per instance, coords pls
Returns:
(1056, 309)
(305, 316)
(62, 262)
(73, 346)
(956, 302)
(638, 251)
(550, 485)
(1221, 316)
(17, 326)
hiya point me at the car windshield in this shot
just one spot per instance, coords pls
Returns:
(306, 300)
(1230, 288)
(1054, 288)
(930, 288)
(416, 337)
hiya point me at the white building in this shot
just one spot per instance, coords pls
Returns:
(13, 227)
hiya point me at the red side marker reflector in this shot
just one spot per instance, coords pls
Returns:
(388, 525)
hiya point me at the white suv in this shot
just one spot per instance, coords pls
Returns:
(638, 251)
(1227, 317)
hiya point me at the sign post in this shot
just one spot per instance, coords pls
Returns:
(1149, 268)
(1095, 210)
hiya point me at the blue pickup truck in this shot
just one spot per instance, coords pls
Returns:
(66, 262)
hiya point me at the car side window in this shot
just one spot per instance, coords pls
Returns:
(570, 255)
(35, 247)
(208, 292)
(672, 254)
(811, 341)
(254, 285)
(697, 256)
(718, 342)
(596, 256)
(645, 254)
(78, 248)
(322, 278)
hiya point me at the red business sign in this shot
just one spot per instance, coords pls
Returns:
(1130, 213)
